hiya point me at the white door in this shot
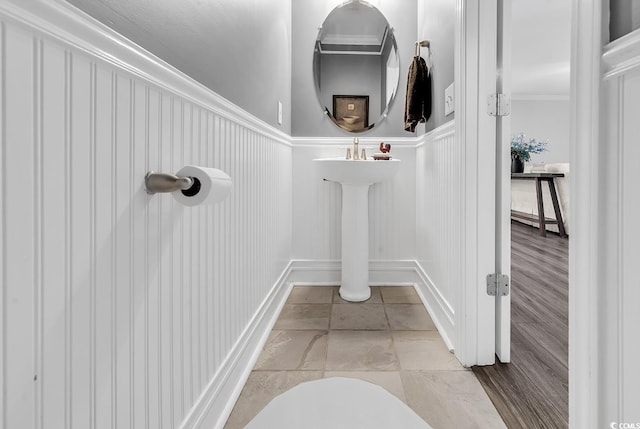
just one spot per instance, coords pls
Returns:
(503, 182)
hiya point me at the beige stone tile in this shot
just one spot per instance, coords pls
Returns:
(450, 399)
(358, 316)
(311, 295)
(409, 317)
(423, 350)
(389, 380)
(304, 316)
(375, 297)
(260, 389)
(293, 350)
(360, 351)
(399, 295)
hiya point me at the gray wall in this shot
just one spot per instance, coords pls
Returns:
(239, 49)
(436, 22)
(624, 18)
(308, 119)
(543, 120)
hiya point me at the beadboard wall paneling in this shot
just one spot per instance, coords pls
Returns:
(439, 207)
(120, 308)
(318, 204)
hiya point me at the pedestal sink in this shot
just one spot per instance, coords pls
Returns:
(356, 176)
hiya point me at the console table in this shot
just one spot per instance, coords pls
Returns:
(538, 178)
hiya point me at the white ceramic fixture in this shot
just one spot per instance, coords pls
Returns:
(355, 176)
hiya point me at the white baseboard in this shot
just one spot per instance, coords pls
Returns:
(438, 307)
(328, 272)
(213, 407)
(392, 273)
(315, 272)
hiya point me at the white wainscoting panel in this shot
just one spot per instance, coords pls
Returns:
(120, 308)
(318, 204)
(439, 209)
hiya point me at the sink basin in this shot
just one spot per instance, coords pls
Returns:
(355, 176)
(357, 172)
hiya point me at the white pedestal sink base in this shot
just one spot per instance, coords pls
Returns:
(355, 243)
(355, 177)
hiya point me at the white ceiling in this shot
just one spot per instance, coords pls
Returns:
(541, 32)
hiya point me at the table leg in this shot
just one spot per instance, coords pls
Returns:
(556, 208)
(543, 229)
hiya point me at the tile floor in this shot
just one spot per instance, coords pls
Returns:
(389, 340)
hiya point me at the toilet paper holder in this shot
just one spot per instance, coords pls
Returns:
(162, 182)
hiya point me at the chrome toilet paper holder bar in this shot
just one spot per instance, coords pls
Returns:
(163, 182)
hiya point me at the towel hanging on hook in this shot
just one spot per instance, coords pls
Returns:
(418, 99)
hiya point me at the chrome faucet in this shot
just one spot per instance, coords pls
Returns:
(355, 148)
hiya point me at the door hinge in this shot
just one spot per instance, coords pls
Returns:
(498, 105)
(497, 284)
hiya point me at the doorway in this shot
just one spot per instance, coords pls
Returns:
(532, 389)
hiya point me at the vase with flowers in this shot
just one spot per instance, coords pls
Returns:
(521, 150)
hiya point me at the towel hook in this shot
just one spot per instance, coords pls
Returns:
(422, 44)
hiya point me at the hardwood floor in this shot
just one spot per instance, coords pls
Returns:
(532, 390)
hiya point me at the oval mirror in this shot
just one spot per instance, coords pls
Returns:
(355, 66)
